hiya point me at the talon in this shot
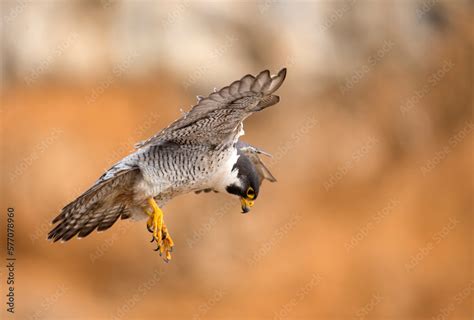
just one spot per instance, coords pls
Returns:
(160, 233)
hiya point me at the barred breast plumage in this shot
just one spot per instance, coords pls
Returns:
(170, 170)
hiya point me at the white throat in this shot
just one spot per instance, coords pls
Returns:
(226, 175)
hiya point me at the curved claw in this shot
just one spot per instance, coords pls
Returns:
(149, 228)
(152, 239)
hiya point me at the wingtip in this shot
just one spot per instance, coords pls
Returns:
(282, 73)
(275, 82)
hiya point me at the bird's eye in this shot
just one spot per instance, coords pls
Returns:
(250, 193)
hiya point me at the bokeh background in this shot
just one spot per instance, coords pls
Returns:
(372, 214)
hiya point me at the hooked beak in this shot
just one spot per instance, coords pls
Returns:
(246, 205)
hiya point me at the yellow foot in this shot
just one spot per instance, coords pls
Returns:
(160, 233)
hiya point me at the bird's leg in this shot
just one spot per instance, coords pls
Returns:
(156, 226)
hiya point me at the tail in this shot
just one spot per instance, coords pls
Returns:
(99, 207)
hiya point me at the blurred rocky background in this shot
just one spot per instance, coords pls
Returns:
(372, 214)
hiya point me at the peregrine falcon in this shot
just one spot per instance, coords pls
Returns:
(198, 152)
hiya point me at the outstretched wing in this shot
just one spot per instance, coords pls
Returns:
(253, 154)
(217, 119)
(99, 207)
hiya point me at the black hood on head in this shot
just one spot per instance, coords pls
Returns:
(247, 175)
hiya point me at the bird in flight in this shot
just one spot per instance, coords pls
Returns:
(198, 152)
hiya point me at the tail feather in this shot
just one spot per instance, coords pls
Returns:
(98, 208)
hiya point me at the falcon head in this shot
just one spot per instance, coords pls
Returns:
(250, 173)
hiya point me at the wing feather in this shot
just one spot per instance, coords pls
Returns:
(216, 119)
(245, 83)
(99, 207)
(234, 88)
(262, 79)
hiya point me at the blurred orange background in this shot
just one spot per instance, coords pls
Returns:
(371, 217)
